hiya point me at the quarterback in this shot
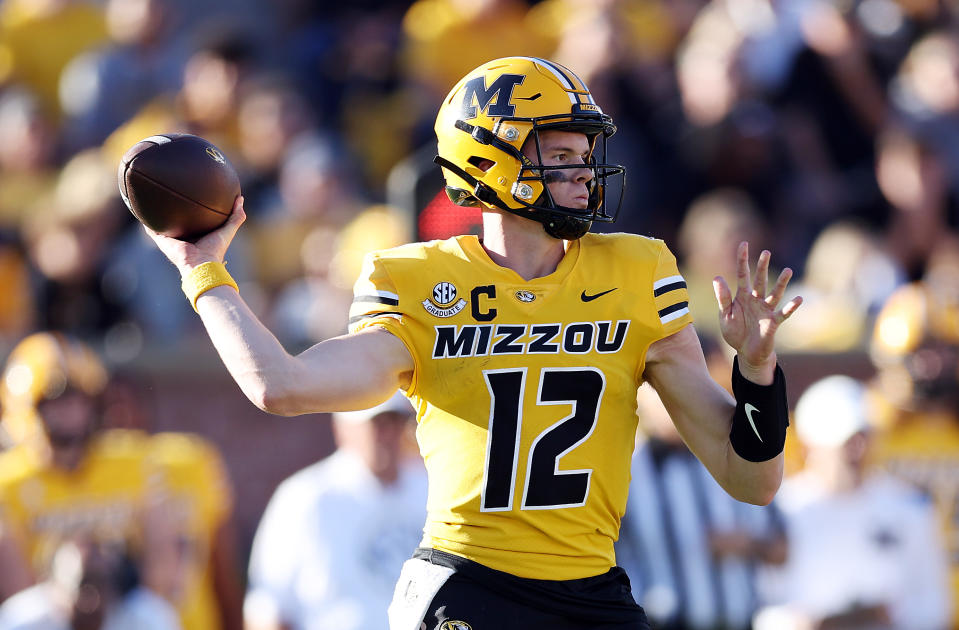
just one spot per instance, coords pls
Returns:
(522, 352)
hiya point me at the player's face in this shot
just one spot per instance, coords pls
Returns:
(68, 421)
(563, 148)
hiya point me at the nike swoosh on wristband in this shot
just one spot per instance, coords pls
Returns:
(749, 416)
(590, 298)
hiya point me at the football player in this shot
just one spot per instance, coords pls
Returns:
(522, 352)
(165, 496)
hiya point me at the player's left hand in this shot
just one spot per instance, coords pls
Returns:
(749, 319)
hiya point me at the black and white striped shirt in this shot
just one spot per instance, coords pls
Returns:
(674, 504)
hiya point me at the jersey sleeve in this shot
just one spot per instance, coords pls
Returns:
(670, 294)
(377, 301)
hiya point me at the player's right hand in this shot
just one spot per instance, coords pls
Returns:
(210, 248)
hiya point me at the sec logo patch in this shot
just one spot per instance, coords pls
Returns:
(442, 301)
(455, 625)
(444, 293)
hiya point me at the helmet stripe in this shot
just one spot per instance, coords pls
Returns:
(559, 75)
(572, 79)
(588, 94)
(558, 69)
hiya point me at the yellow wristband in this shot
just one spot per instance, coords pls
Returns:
(204, 277)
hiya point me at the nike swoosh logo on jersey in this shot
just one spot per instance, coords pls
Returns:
(590, 298)
(750, 410)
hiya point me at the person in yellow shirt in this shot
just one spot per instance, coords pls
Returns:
(522, 352)
(166, 496)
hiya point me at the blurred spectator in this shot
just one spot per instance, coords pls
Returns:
(103, 88)
(335, 535)
(445, 39)
(812, 62)
(205, 104)
(925, 94)
(846, 280)
(913, 179)
(375, 102)
(66, 477)
(712, 229)
(864, 552)
(69, 236)
(915, 348)
(27, 155)
(305, 310)
(314, 189)
(312, 308)
(39, 37)
(703, 577)
(92, 586)
(271, 115)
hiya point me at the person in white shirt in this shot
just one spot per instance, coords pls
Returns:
(864, 550)
(334, 536)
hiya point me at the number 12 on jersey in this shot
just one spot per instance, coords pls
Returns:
(547, 487)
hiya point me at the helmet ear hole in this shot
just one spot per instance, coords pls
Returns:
(483, 164)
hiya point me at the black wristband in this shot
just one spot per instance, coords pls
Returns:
(759, 426)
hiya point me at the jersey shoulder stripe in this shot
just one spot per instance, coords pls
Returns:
(668, 288)
(376, 294)
(665, 285)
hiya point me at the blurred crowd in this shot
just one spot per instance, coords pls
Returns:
(824, 130)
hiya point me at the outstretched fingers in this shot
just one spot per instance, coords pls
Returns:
(724, 296)
(790, 308)
(743, 280)
(779, 289)
(762, 274)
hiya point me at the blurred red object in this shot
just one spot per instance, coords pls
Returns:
(441, 219)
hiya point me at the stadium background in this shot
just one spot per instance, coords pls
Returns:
(781, 122)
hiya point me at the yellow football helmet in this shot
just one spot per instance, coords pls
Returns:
(492, 112)
(916, 339)
(42, 367)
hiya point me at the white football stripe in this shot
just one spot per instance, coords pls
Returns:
(663, 282)
(675, 314)
(157, 139)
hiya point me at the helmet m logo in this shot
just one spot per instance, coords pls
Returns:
(501, 89)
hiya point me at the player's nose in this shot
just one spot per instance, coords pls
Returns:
(582, 174)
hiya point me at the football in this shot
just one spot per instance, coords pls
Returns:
(178, 184)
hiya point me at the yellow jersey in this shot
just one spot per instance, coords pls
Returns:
(525, 391)
(105, 499)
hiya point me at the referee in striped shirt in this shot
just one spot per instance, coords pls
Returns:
(690, 549)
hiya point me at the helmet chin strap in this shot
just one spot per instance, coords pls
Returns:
(563, 227)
